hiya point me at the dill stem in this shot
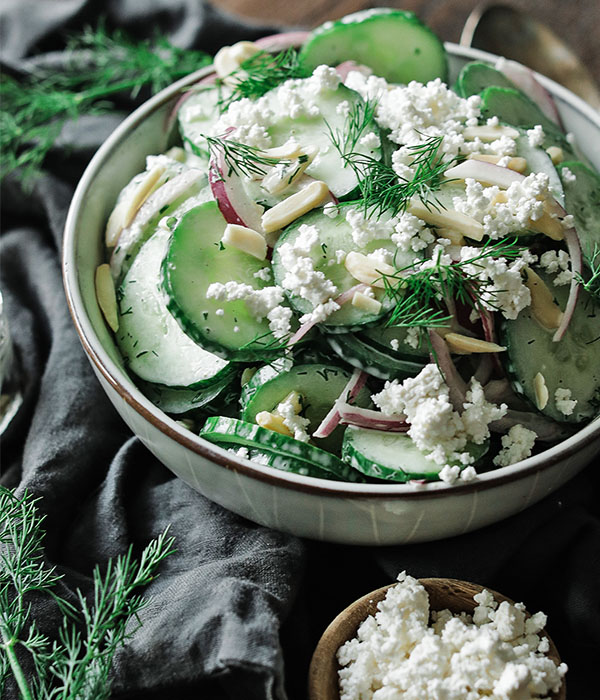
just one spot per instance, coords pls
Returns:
(9, 647)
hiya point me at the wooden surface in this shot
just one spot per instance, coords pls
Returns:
(576, 22)
(443, 593)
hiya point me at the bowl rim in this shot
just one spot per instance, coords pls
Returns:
(127, 390)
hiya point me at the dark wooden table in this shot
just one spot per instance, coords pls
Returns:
(577, 22)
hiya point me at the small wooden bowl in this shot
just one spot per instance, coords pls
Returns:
(456, 596)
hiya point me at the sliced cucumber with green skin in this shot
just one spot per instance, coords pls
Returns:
(151, 341)
(476, 76)
(538, 161)
(319, 385)
(374, 362)
(515, 108)
(582, 200)
(196, 258)
(315, 130)
(335, 235)
(394, 456)
(198, 116)
(394, 43)
(572, 363)
(229, 430)
(277, 461)
(381, 338)
(178, 401)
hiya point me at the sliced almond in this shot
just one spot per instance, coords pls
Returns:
(485, 132)
(105, 294)
(455, 237)
(284, 175)
(295, 399)
(548, 225)
(229, 59)
(245, 239)
(447, 218)
(122, 215)
(556, 153)
(366, 303)
(517, 163)
(177, 153)
(295, 206)
(366, 270)
(290, 149)
(465, 344)
(541, 391)
(543, 308)
(271, 421)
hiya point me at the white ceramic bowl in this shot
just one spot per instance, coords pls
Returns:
(337, 512)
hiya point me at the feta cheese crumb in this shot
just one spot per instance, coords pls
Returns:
(568, 175)
(397, 653)
(556, 262)
(295, 423)
(536, 136)
(517, 444)
(564, 403)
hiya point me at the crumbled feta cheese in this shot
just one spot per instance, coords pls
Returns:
(395, 344)
(280, 321)
(411, 233)
(250, 119)
(397, 653)
(265, 274)
(259, 301)
(295, 423)
(320, 313)
(568, 175)
(365, 229)
(517, 444)
(564, 403)
(413, 337)
(556, 262)
(535, 136)
(435, 427)
(370, 140)
(220, 312)
(301, 278)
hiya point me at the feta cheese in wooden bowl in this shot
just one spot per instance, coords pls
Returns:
(434, 638)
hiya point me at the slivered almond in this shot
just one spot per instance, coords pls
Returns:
(229, 59)
(556, 154)
(541, 391)
(284, 175)
(295, 206)
(517, 163)
(366, 270)
(485, 132)
(447, 218)
(465, 344)
(122, 215)
(271, 421)
(245, 239)
(295, 399)
(105, 294)
(290, 149)
(548, 225)
(543, 308)
(366, 303)
(176, 153)
(455, 237)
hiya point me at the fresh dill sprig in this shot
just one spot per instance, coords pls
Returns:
(591, 283)
(257, 75)
(382, 189)
(76, 665)
(99, 68)
(419, 291)
(360, 117)
(240, 158)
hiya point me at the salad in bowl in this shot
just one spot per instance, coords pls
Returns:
(348, 269)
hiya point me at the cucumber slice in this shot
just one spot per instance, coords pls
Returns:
(179, 401)
(335, 235)
(477, 76)
(393, 456)
(315, 130)
(514, 107)
(382, 338)
(394, 43)
(196, 258)
(572, 363)
(538, 161)
(197, 116)
(151, 341)
(318, 384)
(371, 360)
(277, 461)
(582, 200)
(239, 432)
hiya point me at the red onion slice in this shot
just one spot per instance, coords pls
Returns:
(456, 384)
(373, 420)
(524, 78)
(546, 430)
(350, 391)
(574, 247)
(279, 42)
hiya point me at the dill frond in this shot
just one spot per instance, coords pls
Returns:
(99, 68)
(240, 158)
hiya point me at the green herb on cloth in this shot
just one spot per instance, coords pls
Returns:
(76, 665)
(99, 67)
